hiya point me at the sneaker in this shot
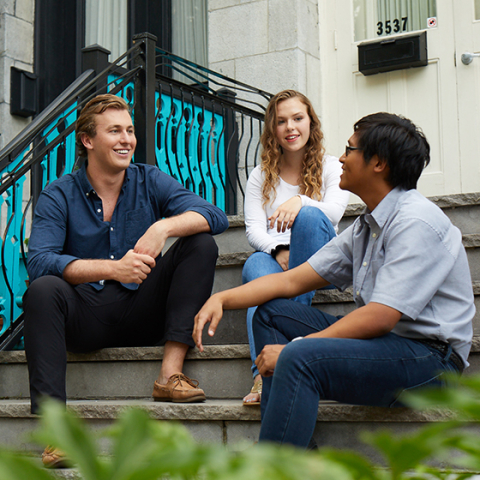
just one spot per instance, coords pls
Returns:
(54, 458)
(178, 389)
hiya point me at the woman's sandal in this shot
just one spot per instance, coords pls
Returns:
(257, 388)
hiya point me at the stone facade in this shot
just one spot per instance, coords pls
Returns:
(16, 50)
(269, 44)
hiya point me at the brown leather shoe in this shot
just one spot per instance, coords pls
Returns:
(54, 458)
(178, 389)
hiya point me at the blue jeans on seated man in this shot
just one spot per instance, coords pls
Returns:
(311, 230)
(363, 372)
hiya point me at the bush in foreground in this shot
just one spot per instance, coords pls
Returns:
(146, 449)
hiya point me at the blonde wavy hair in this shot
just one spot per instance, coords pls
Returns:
(313, 163)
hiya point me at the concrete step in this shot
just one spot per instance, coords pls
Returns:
(225, 421)
(471, 242)
(335, 302)
(463, 210)
(128, 373)
(229, 265)
(222, 370)
(229, 275)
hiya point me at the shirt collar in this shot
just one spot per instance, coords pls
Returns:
(385, 208)
(83, 179)
(86, 185)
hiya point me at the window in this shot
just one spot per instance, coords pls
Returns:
(382, 18)
(106, 25)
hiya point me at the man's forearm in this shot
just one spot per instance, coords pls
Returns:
(371, 321)
(185, 224)
(131, 268)
(85, 271)
(153, 240)
(287, 284)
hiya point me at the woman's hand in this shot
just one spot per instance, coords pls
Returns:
(286, 213)
(282, 259)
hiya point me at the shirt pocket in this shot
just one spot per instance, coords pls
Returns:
(137, 223)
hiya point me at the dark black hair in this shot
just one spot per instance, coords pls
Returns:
(397, 141)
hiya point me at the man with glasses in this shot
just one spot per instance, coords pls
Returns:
(411, 286)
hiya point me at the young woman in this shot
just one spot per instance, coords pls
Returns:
(293, 201)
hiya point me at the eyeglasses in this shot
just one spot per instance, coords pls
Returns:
(348, 149)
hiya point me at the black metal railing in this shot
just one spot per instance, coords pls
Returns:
(205, 134)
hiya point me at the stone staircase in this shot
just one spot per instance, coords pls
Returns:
(101, 384)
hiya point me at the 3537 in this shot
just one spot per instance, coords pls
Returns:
(392, 26)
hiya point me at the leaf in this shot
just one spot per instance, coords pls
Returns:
(359, 466)
(15, 467)
(64, 430)
(406, 452)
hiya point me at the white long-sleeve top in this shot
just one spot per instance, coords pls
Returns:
(333, 204)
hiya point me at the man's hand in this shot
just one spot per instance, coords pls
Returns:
(286, 213)
(212, 313)
(152, 241)
(282, 258)
(133, 267)
(267, 359)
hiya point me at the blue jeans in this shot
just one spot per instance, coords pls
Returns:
(362, 372)
(310, 232)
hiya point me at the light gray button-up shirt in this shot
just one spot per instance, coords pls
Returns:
(406, 254)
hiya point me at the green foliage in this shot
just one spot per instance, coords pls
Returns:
(145, 449)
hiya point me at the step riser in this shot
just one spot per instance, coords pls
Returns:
(462, 215)
(346, 307)
(107, 380)
(226, 278)
(342, 435)
(342, 432)
(220, 379)
(231, 276)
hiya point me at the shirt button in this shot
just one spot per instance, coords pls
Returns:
(101, 282)
(99, 210)
(374, 235)
(87, 194)
(364, 264)
(358, 292)
(112, 256)
(111, 229)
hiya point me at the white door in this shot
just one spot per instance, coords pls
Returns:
(467, 40)
(427, 95)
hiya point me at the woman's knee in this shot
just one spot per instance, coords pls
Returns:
(256, 265)
(314, 224)
(308, 216)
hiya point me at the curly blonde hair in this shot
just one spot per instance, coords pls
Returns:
(313, 163)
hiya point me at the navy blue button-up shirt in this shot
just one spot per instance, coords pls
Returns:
(68, 222)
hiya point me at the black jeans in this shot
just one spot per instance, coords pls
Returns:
(60, 317)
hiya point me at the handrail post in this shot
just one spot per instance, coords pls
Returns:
(144, 105)
(95, 57)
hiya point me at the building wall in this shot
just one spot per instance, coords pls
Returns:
(16, 50)
(269, 44)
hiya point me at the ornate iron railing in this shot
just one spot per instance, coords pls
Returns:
(205, 134)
